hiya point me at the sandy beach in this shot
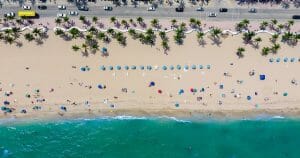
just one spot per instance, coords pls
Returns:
(47, 81)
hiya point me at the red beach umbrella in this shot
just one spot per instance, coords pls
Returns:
(159, 91)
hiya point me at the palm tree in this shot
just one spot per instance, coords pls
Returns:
(75, 48)
(265, 51)
(140, 20)
(163, 35)
(84, 47)
(82, 19)
(183, 26)
(280, 27)
(57, 21)
(165, 45)
(95, 19)
(111, 31)
(263, 25)
(59, 32)
(124, 22)
(257, 40)
(113, 19)
(132, 32)
(274, 38)
(155, 23)
(200, 36)
(247, 36)
(246, 22)
(66, 19)
(275, 48)
(240, 51)
(29, 37)
(173, 21)
(101, 35)
(198, 23)
(192, 21)
(215, 32)
(289, 24)
(74, 32)
(273, 23)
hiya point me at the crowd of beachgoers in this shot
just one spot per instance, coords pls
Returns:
(147, 66)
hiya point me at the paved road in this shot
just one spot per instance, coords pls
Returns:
(232, 14)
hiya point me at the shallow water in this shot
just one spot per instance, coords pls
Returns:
(155, 137)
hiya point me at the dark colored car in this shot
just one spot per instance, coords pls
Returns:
(296, 17)
(179, 9)
(42, 7)
(223, 9)
(83, 8)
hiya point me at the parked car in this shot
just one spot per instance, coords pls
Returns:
(61, 15)
(223, 9)
(62, 7)
(179, 9)
(73, 13)
(200, 9)
(108, 8)
(296, 16)
(26, 7)
(10, 15)
(212, 14)
(42, 7)
(252, 10)
(151, 8)
(83, 8)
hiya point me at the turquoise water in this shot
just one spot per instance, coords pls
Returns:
(151, 138)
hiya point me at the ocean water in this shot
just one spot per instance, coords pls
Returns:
(151, 138)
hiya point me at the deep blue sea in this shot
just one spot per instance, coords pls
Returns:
(127, 137)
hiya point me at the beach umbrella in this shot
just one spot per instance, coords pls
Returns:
(118, 67)
(111, 68)
(149, 67)
(142, 67)
(8, 110)
(152, 83)
(171, 67)
(200, 66)
(202, 89)
(159, 91)
(102, 68)
(87, 68)
(6, 102)
(285, 94)
(285, 59)
(278, 60)
(292, 59)
(177, 105)
(271, 60)
(186, 67)
(181, 91)
(104, 49)
(82, 68)
(164, 67)
(3, 108)
(133, 67)
(178, 67)
(126, 67)
(193, 67)
(208, 66)
(23, 111)
(262, 77)
(248, 97)
(100, 86)
(298, 59)
(221, 86)
(63, 108)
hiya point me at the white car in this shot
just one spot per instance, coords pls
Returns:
(26, 7)
(73, 13)
(61, 15)
(10, 14)
(151, 8)
(200, 9)
(108, 8)
(62, 7)
(212, 14)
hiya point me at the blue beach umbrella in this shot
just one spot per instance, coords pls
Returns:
(285, 94)
(104, 50)
(82, 69)
(200, 66)
(142, 67)
(164, 67)
(6, 102)
(285, 59)
(118, 67)
(271, 60)
(292, 59)
(208, 66)
(151, 84)
(248, 97)
(176, 105)
(186, 67)
(194, 67)
(133, 67)
(149, 67)
(3, 108)
(102, 68)
(171, 67)
(100, 86)
(262, 77)
(126, 67)
(278, 60)
(178, 67)
(111, 68)
(181, 91)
